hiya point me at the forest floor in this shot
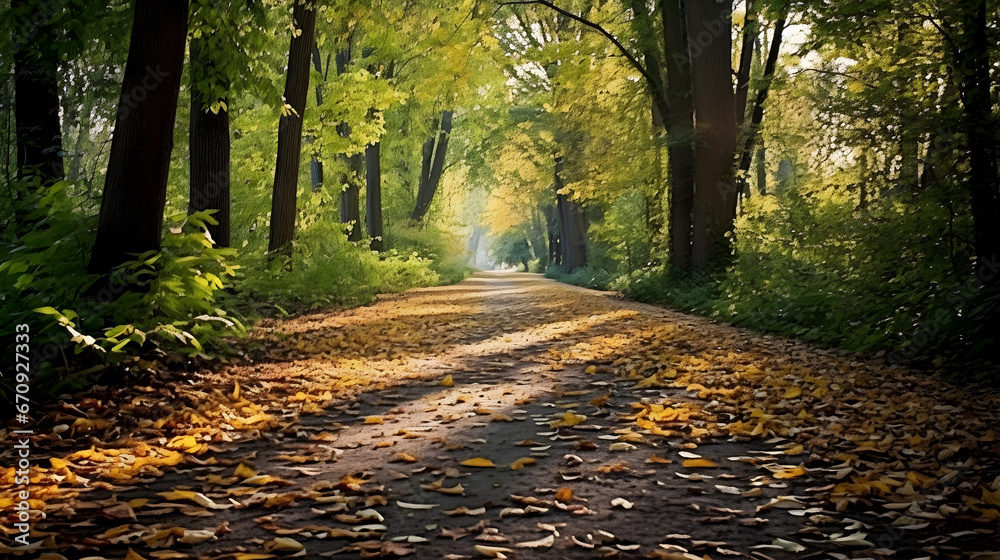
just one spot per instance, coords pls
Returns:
(511, 416)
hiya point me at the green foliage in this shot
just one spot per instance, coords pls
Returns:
(326, 269)
(587, 276)
(511, 248)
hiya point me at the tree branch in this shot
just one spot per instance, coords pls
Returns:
(631, 58)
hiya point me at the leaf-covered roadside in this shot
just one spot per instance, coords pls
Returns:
(507, 416)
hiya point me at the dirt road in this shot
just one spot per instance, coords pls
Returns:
(511, 416)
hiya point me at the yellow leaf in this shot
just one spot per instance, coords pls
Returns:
(373, 420)
(58, 463)
(992, 498)
(792, 392)
(477, 462)
(253, 556)
(794, 450)
(591, 369)
(243, 471)
(568, 419)
(654, 458)
(137, 502)
(564, 494)
(236, 391)
(132, 555)
(790, 473)
(520, 463)
(283, 544)
(447, 381)
(697, 463)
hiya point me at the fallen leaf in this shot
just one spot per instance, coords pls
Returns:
(477, 462)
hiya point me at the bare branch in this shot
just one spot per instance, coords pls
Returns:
(614, 40)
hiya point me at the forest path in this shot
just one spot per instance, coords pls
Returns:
(647, 434)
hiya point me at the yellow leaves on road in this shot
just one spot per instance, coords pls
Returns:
(568, 419)
(521, 463)
(196, 497)
(699, 463)
(447, 381)
(477, 462)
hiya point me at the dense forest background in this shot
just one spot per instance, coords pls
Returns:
(173, 170)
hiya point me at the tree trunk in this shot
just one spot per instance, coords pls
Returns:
(209, 149)
(135, 187)
(572, 234)
(750, 30)
(714, 105)
(680, 131)
(315, 165)
(36, 97)
(350, 194)
(373, 195)
(552, 229)
(286, 171)
(757, 113)
(373, 187)
(975, 83)
(433, 166)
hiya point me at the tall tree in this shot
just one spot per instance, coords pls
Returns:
(679, 125)
(715, 128)
(433, 156)
(135, 187)
(36, 85)
(572, 225)
(315, 165)
(286, 172)
(350, 193)
(975, 85)
(373, 184)
(209, 132)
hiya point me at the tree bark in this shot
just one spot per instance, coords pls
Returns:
(286, 171)
(350, 194)
(680, 131)
(315, 165)
(757, 114)
(750, 30)
(36, 97)
(975, 83)
(714, 105)
(135, 188)
(373, 187)
(433, 166)
(572, 230)
(209, 149)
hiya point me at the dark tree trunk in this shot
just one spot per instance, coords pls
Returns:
(750, 29)
(373, 187)
(752, 130)
(373, 195)
(36, 97)
(286, 171)
(315, 165)
(209, 149)
(572, 227)
(714, 105)
(433, 166)
(974, 64)
(135, 187)
(350, 194)
(680, 131)
(552, 229)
